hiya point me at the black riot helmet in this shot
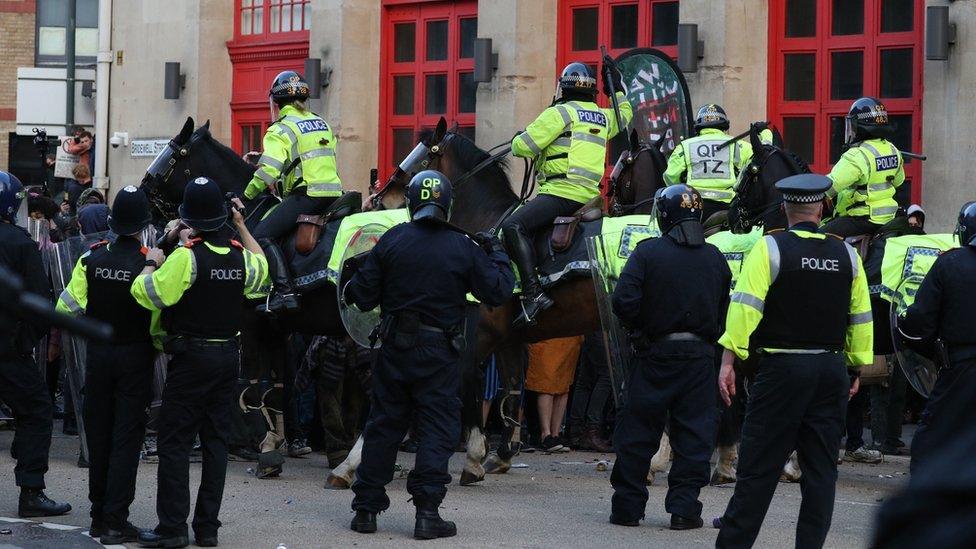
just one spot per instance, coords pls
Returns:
(203, 207)
(577, 79)
(867, 118)
(288, 86)
(430, 196)
(966, 228)
(711, 116)
(678, 211)
(130, 212)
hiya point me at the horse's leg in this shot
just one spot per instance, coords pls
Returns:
(270, 459)
(729, 430)
(791, 470)
(342, 476)
(471, 401)
(661, 459)
(510, 363)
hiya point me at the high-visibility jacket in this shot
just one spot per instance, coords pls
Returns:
(735, 248)
(713, 171)
(569, 143)
(865, 180)
(799, 292)
(301, 138)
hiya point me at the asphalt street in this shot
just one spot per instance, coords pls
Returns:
(558, 500)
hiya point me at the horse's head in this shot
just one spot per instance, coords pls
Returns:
(191, 154)
(757, 201)
(431, 153)
(638, 174)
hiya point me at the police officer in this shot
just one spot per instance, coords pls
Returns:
(118, 378)
(802, 302)
(701, 161)
(568, 141)
(867, 175)
(21, 386)
(299, 159)
(419, 274)
(201, 290)
(674, 290)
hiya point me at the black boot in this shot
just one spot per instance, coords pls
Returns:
(117, 536)
(364, 522)
(430, 525)
(34, 503)
(534, 300)
(283, 299)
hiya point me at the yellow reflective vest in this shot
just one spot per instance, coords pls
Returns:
(865, 181)
(712, 171)
(301, 138)
(569, 143)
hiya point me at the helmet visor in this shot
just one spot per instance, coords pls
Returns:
(849, 130)
(618, 168)
(22, 216)
(415, 161)
(162, 165)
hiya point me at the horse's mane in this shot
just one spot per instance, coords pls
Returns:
(470, 155)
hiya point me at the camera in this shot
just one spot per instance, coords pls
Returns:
(119, 139)
(40, 141)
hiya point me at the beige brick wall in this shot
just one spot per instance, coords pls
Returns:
(17, 47)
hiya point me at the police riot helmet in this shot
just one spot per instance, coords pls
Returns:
(130, 212)
(867, 118)
(577, 78)
(678, 210)
(203, 207)
(12, 196)
(430, 196)
(711, 116)
(288, 86)
(966, 228)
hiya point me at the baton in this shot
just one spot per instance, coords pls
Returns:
(739, 137)
(607, 63)
(916, 156)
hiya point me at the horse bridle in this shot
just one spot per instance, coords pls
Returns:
(626, 161)
(163, 167)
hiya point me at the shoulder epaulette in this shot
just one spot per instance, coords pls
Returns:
(98, 244)
(774, 231)
(236, 244)
(190, 243)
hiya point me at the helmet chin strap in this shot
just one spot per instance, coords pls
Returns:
(687, 233)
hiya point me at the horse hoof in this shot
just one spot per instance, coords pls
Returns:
(788, 477)
(269, 464)
(468, 478)
(493, 467)
(650, 479)
(335, 482)
(721, 478)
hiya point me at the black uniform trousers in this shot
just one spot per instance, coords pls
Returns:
(22, 388)
(798, 401)
(282, 219)
(671, 382)
(419, 383)
(939, 424)
(118, 388)
(846, 226)
(198, 398)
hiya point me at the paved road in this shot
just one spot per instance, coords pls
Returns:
(557, 500)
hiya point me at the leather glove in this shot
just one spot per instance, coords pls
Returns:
(489, 242)
(618, 79)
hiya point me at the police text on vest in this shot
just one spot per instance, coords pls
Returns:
(819, 264)
(121, 275)
(226, 274)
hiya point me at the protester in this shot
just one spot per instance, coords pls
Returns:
(591, 392)
(552, 364)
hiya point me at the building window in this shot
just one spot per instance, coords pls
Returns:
(52, 22)
(428, 64)
(826, 53)
(258, 17)
(620, 25)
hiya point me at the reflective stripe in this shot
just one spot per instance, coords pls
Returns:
(855, 269)
(288, 130)
(256, 283)
(562, 142)
(795, 351)
(70, 301)
(530, 143)
(324, 187)
(317, 153)
(151, 293)
(880, 187)
(293, 119)
(859, 318)
(592, 176)
(715, 194)
(273, 162)
(748, 299)
(251, 274)
(736, 155)
(564, 113)
(884, 211)
(590, 138)
(265, 176)
(774, 259)
(193, 268)
(871, 148)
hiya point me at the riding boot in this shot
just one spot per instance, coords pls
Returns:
(430, 525)
(534, 300)
(283, 298)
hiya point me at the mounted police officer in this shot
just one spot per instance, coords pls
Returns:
(21, 385)
(868, 174)
(568, 142)
(674, 291)
(299, 160)
(802, 303)
(419, 274)
(119, 374)
(200, 290)
(703, 163)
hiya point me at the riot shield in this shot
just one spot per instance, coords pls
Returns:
(616, 343)
(359, 324)
(657, 91)
(920, 371)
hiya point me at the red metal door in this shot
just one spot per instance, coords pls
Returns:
(426, 71)
(823, 54)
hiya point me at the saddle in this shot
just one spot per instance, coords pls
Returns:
(564, 227)
(309, 230)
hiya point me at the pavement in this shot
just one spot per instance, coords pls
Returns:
(559, 500)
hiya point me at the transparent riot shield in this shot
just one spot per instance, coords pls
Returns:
(616, 343)
(920, 371)
(359, 324)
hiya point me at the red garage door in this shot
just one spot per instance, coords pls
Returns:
(426, 71)
(823, 54)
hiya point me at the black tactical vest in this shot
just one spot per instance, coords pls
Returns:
(213, 306)
(110, 270)
(809, 300)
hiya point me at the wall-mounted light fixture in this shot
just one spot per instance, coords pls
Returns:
(690, 48)
(939, 33)
(173, 80)
(87, 89)
(316, 77)
(485, 62)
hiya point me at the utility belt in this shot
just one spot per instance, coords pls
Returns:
(642, 342)
(401, 330)
(953, 354)
(182, 343)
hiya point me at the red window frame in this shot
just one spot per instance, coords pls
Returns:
(822, 108)
(266, 32)
(420, 13)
